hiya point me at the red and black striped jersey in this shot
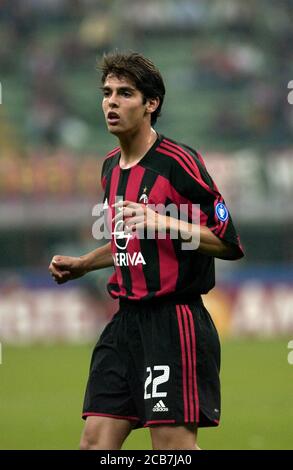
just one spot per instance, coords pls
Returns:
(169, 173)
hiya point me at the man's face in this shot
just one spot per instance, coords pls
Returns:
(123, 105)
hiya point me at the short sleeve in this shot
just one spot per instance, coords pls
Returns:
(194, 183)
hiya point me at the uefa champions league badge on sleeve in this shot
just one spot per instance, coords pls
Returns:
(222, 212)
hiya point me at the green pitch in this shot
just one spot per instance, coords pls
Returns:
(41, 392)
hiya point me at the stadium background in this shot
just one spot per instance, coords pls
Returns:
(227, 65)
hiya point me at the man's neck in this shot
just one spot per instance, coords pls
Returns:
(135, 146)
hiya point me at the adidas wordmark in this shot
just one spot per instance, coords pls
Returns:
(160, 406)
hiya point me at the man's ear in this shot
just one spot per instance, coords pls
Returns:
(152, 104)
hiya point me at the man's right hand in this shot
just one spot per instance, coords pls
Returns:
(66, 268)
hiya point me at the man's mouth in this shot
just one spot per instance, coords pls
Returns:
(113, 118)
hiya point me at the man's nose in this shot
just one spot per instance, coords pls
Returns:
(113, 101)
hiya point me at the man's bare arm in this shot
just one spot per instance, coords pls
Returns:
(99, 258)
(209, 244)
(138, 217)
(66, 268)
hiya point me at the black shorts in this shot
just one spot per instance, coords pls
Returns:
(157, 364)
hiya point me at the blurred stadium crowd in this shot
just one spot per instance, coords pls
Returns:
(236, 55)
(227, 65)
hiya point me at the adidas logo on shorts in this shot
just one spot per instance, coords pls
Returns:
(160, 406)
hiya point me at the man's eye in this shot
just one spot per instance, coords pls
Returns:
(106, 93)
(126, 93)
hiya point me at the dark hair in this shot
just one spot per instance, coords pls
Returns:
(141, 71)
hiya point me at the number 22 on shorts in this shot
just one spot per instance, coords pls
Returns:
(152, 383)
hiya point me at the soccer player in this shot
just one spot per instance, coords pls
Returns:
(157, 362)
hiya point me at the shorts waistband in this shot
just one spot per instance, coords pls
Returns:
(158, 301)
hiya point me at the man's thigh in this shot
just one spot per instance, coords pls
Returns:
(104, 433)
(174, 437)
